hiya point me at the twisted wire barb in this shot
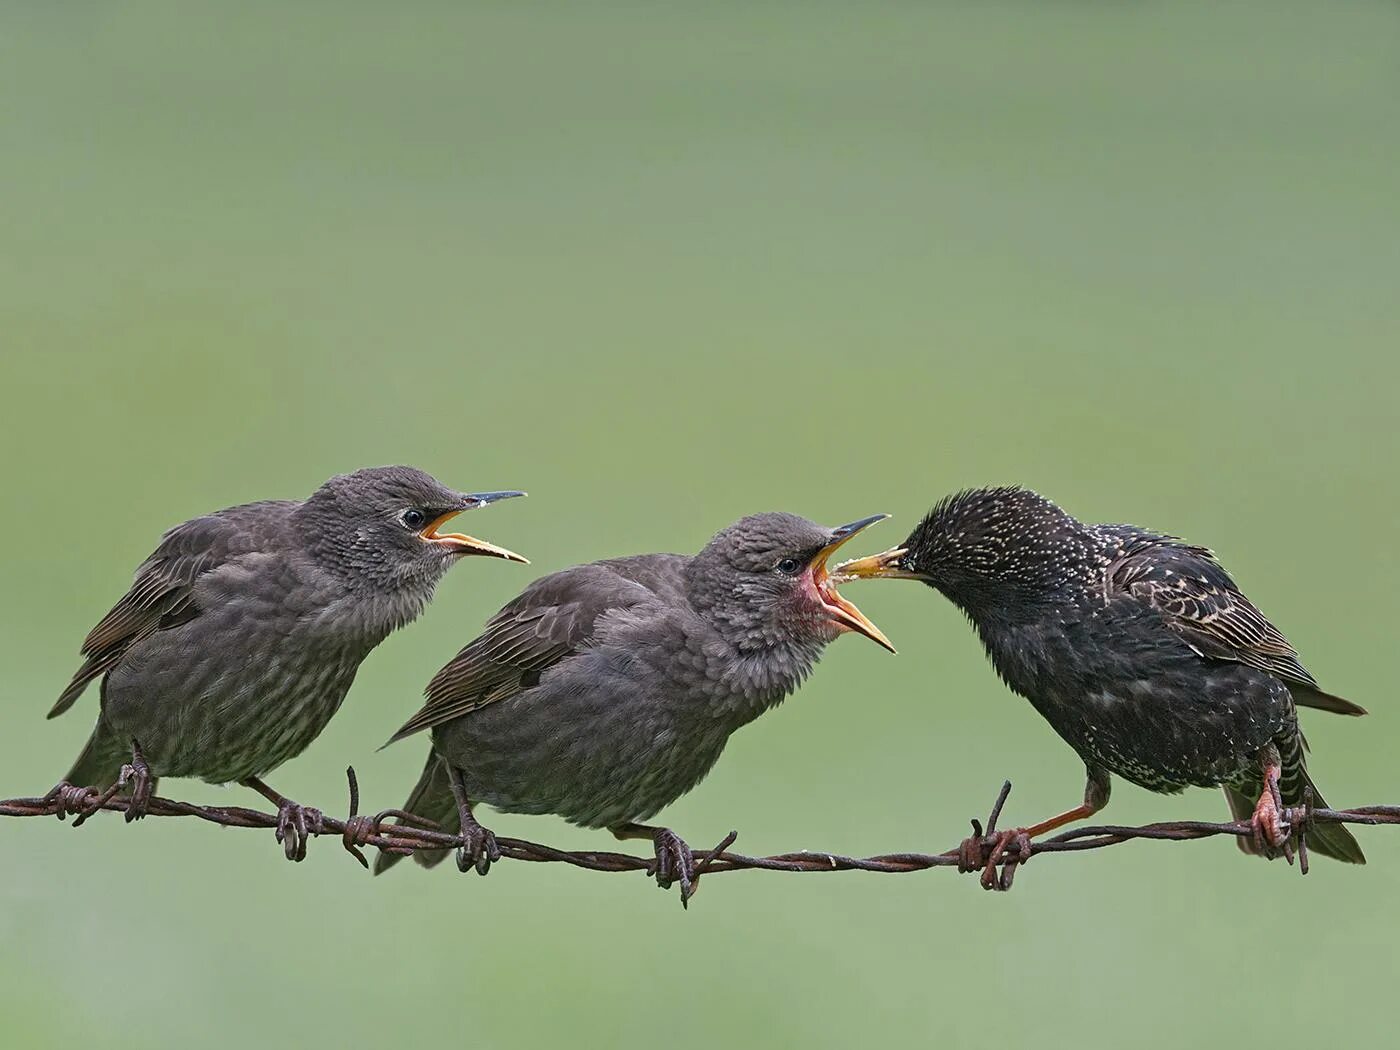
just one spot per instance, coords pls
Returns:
(411, 834)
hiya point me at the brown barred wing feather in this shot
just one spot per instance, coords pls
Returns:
(1200, 601)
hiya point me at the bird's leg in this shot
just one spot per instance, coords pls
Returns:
(295, 823)
(1080, 812)
(987, 851)
(674, 861)
(143, 784)
(478, 849)
(136, 773)
(1270, 831)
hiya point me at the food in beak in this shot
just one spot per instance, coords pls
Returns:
(841, 611)
(883, 566)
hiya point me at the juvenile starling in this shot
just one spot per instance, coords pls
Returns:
(243, 631)
(1136, 647)
(607, 691)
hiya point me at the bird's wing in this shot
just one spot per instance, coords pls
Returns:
(162, 595)
(556, 617)
(1201, 602)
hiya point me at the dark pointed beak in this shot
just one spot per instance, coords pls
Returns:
(460, 543)
(480, 499)
(841, 611)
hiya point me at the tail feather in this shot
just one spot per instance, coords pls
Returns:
(431, 799)
(1309, 696)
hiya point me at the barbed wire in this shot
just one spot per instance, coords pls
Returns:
(997, 855)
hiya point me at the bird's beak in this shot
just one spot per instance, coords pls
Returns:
(838, 608)
(885, 566)
(459, 543)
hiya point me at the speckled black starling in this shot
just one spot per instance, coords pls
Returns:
(243, 631)
(607, 691)
(1136, 647)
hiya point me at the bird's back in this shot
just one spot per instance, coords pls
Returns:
(1199, 602)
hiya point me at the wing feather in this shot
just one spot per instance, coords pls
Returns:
(1200, 601)
(557, 617)
(162, 594)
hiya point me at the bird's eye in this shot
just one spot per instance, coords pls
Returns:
(789, 566)
(414, 519)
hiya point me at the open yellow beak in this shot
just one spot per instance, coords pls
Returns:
(460, 543)
(841, 611)
(883, 566)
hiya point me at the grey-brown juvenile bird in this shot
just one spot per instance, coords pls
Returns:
(1136, 647)
(243, 631)
(606, 691)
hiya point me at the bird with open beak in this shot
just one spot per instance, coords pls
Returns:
(1136, 647)
(608, 690)
(243, 631)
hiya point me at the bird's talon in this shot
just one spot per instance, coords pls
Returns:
(478, 850)
(295, 826)
(138, 774)
(674, 864)
(1004, 850)
(1271, 829)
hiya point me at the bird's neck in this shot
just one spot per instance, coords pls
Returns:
(382, 612)
(1000, 604)
(754, 681)
(368, 608)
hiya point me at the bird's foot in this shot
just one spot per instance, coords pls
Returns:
(985, 851)
(674, 863)
(295, 826)
(1272, 833)
(137, 775)
(478, 850)
(993, 850)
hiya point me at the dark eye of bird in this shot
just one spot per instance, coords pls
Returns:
(414, 519)
(789, 566)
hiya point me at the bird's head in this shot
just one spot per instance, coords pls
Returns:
(763, 582)
(984, 545)
(384, 526)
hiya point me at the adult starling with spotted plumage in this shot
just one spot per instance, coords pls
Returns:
(608, 690)
(1136, 647)
(244, 629)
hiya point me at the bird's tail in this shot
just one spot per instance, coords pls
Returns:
(431, 799)
(101, 761)
(1330, 840)
(1311, 696)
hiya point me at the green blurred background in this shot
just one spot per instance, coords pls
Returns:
(663, 265)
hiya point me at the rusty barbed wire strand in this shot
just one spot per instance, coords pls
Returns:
(358, 832)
